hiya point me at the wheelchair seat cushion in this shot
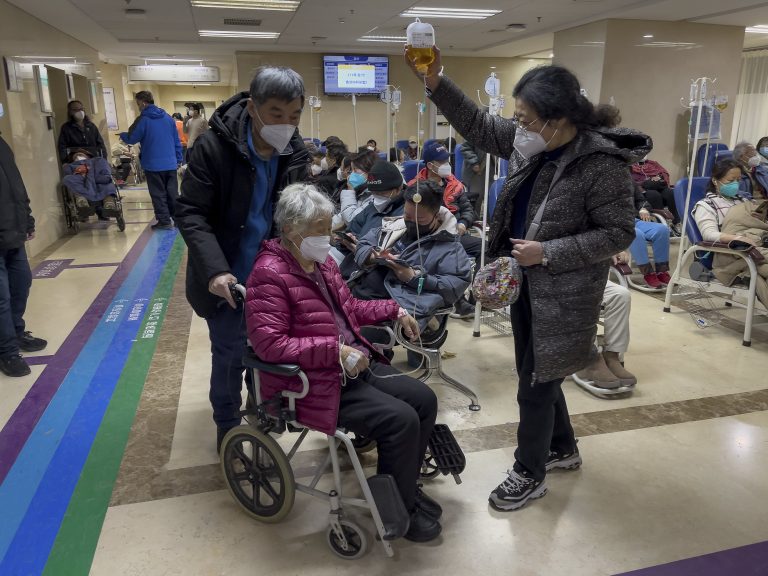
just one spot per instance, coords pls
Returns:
(497, 284)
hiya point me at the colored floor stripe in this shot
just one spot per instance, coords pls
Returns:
(24, 476)
(749, 560)
(78, 535)
(29, 549)
(21, 423)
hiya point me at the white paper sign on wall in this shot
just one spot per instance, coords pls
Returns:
(173, 73)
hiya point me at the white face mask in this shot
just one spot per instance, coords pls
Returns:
(754, 161)
(528, 144)
(413, 145)
(80, 158)
(340, 175)
(315, 248)
(276, 135)
(79, 115)
(381, 202)
(324, 164)
(444, 170)
(316, 170)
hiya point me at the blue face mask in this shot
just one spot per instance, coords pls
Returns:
(729, 190)
(764, 151)
(356, 179)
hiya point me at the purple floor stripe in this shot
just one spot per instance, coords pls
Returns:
(100, 265)
(21, 423)
(38, 360)
(749, 560)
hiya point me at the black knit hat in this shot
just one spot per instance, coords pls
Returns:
(384, 176)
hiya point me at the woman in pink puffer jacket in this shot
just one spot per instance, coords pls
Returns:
(300, 311)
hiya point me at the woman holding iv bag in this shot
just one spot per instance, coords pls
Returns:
(564, 211)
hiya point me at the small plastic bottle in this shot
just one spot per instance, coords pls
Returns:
(420, 47)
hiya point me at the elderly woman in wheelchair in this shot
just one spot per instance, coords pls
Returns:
(299, 311)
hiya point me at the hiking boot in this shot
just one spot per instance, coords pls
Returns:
(29, 343)
(82, 205)
(614, 365)
(463, 310)
(563, 460)
(14, 365)
(652, 281)
(598, 374)
(516, 491)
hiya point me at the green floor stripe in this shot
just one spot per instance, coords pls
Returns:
(75, 544)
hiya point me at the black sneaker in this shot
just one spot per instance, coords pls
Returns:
(515, 491)
(423, 527)
(29, 343)
(162, 226)
(427, 504)
(463, 310)
(14, 365)
(563, 460)
(220, 433)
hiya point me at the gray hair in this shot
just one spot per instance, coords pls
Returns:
(276, 82)
(300, 205)
(740, 149)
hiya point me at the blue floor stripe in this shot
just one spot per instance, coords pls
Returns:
(20, 484)
(31, 546)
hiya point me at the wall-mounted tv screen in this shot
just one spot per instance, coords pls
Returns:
(355, 74)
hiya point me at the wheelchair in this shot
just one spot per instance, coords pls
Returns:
(259, 476)
(72, 214)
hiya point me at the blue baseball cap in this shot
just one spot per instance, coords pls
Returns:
(435, 152)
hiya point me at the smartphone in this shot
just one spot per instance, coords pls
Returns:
(624, 268)
(388, 261)
(343, 235)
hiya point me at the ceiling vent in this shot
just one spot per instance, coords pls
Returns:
(135, 13)
(242, 22)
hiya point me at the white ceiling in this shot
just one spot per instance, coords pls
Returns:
(170, 27)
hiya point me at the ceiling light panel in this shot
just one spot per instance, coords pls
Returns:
(458, 13)
(392, 39)
(278, 5)
(759, 29)
(238, 34)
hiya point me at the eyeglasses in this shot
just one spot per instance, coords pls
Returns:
(522, 126)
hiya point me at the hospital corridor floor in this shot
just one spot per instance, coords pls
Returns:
(108, 459)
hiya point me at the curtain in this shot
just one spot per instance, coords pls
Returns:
(750, 120)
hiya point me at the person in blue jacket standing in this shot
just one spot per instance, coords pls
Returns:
(161, 155)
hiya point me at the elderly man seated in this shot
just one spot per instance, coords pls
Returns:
(416, 259)
(754, 174)
(89, 179)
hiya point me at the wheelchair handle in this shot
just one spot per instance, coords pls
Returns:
(237, 291)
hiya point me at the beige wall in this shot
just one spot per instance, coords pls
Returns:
(336, 117)
(25, 126)
(113, 76)
(582, 50)
(647, 82)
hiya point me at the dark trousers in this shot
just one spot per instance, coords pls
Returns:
(399, 413)
(163, 189)
(661, 199)
(227, 333)
(15, 281)
(544, 421)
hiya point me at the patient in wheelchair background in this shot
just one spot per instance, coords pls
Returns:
(416, 259)
(300, 311)
(89, 179)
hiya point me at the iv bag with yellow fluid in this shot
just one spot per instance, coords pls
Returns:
(420, 46)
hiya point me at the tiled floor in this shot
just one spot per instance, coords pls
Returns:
(674, 471)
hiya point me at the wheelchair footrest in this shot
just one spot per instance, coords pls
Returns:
(446, 452)
(390, 504)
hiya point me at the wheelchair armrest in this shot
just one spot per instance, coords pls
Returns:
(663, 212)
(736, 248)
(250, 360)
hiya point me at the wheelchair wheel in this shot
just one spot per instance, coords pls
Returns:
(356, 544)
(429, 467)
(258, 474)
